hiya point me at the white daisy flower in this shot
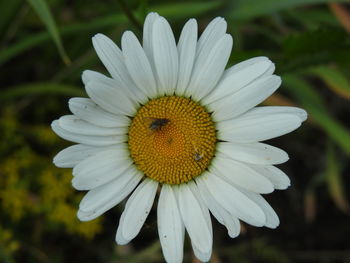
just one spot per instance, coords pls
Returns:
(172, 118)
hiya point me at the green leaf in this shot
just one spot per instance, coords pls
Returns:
(40, 89)
(7, 17)
(334, 79)
(72, 29)
(185, 9)
(248, 9)
(169, 10)
(303, 92)
(43, 11)
(309, 99)
(313, 48)
(335, 180)
(320, 40)
(314, 18)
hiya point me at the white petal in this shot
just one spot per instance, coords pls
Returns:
(253, 128)
(89, 111)
(232, 200)
(231, 222)
(112, 58)
(194, 189)
(187, 51)
(165, 56)
(74, 154)
(203, 256)
(244, 99)
(136, 211)
(195, 221)
(111, 99)
(255, 153)
(264, 110)
(210, 202)
(93, 76)
(73, 124)
(270, 70)
(272, 220)
(138, 65)
(100, 195)
(119, 239)
(148, 36)
(214, 31)
(246, 64)
(277, 177)
(238, 173)
(170, 226)
(109, 53)
(104, 197)
(208, 68)
(90, 75)
(92, 140)
(238, 77)
(127, 87)
(100, 168)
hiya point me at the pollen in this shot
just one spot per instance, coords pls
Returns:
(172, 139)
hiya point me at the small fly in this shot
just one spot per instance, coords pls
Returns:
(198, 157)
(156, 124)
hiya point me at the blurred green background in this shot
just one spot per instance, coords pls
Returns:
(44, 47)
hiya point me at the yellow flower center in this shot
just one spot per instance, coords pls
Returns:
(172, 139)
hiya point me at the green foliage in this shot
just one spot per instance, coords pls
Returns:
(185, 9)
(43, 11)
(11, 7)
(41, 89)
(248, 9)
(335, 80)
(335, 180)
(32, 188)
(312, 102)
(317, 47)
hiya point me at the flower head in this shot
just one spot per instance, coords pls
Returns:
(171, 117)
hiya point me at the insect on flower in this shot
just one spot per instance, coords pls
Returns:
(157, 123)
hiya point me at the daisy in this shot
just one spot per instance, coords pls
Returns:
(171, 118)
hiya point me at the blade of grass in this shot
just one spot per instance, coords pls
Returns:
(129, 14)
(248, 9)
(314, 18)
(334, 79)
(335, 181)
(342, 15)
(185, 9)
(40, 89)
(40, 38)
(11, 8)
(310, 197)
(312, 102)
(43, 11)
(176, 11)
(298, 49)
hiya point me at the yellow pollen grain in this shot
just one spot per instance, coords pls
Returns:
(172, 139)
